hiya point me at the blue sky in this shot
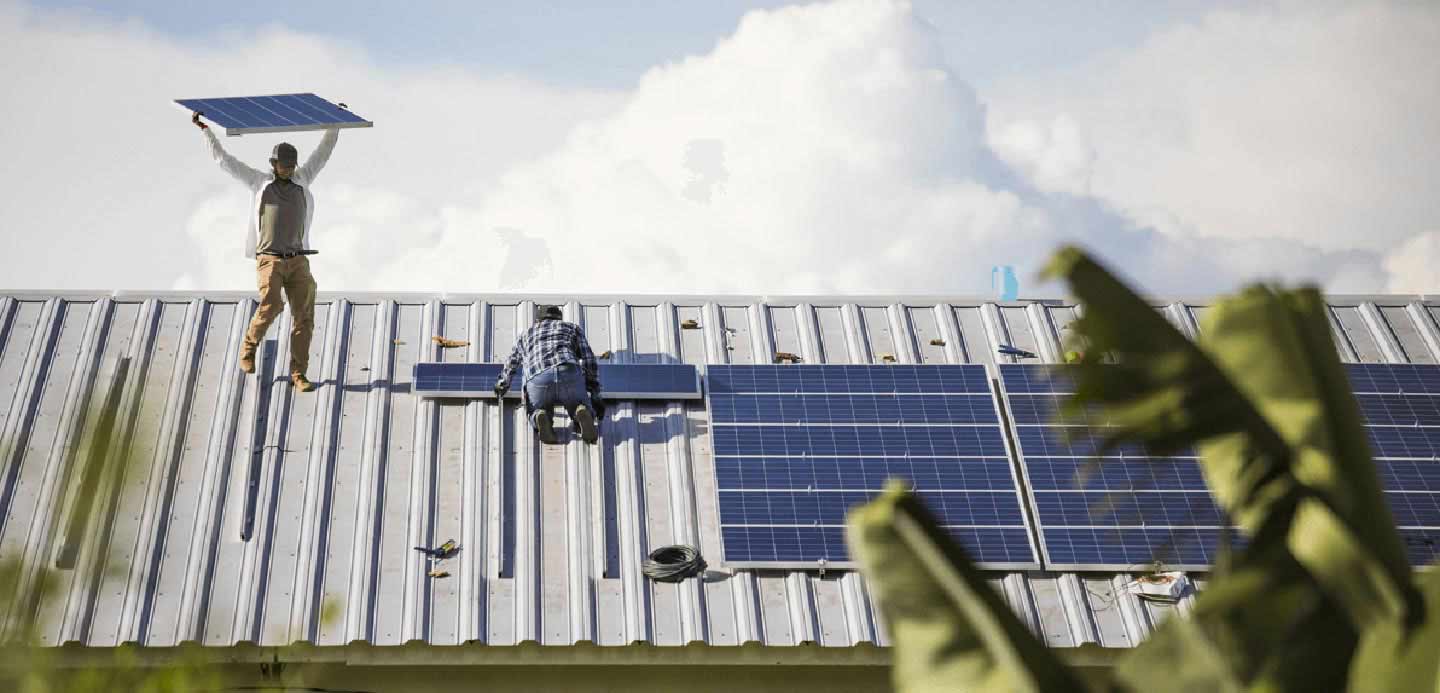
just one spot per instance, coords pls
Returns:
(610, 44)
(848, 146)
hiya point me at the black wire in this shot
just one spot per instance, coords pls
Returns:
(673, 563)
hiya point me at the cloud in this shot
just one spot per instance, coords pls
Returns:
(108, 185)
(1305, 122)
(819, 149)
(1415, 266)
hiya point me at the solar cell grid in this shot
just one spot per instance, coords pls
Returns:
(1393, 378)
(1118, 547)
(274, 113)
(1408, 475)
(1400, 410)
(854, 473)
(1044, 408)
(879, 440)
(761, 379)
(1119, 512)
(1156, 473)
(797, 446)
(933, 409)
(1421, 442)
(1421, 545)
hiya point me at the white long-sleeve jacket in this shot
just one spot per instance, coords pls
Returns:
(256, 180)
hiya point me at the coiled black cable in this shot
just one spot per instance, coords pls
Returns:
(673, 563)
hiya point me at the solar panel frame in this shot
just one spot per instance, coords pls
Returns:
(861, 442)
(1078, 547)
(477, 381)
(273, 113)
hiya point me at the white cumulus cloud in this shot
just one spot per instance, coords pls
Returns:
(1306, 122)
(820, 148)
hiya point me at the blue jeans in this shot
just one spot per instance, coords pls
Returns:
(563, 385)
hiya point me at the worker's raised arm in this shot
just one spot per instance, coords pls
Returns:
(307, 173)
(228, 163)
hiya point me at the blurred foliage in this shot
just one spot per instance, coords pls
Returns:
(30, 660)
(1321, 596)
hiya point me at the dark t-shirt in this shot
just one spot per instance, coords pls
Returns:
(282, 218)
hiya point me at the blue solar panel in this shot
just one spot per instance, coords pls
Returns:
(1172, 546)
(1421, 545)
(1393, 378)
(797, 446)
(278, 113)
(841, 473)
(845, 409)
(900, 441)
(617, 381)
(1097, 508)
(1127, 508)
(882, 380)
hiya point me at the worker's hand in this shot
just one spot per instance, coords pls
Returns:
(195, 118)
(596, 402)
(500, 389)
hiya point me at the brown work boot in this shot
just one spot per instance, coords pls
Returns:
(546, 426)
(585, 419)
(301, 382)
(247, 359)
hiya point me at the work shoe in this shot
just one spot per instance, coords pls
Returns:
(301, 382)
(247, 360)
(546, 426)
(586, 419)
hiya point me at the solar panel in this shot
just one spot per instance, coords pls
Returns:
(245, 115)
(1121, 511)
(617, 381)
(1128, 509)
(1401, 406)
(797, 445)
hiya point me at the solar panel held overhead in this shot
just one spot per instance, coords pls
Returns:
(248, 115)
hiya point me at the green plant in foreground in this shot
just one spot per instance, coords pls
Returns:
(1320, 598)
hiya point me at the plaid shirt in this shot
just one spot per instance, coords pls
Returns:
(549, 343)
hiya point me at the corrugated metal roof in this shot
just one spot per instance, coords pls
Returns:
(347, 479)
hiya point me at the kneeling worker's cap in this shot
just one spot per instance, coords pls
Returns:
(284, 153)
(548, 313)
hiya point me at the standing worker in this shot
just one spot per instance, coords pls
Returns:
(559, 368)
(279, 240)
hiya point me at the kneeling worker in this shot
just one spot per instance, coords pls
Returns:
(559, 368)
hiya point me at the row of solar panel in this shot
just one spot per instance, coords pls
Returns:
(796, 445)
(1378, 409)
(1112, 511)
(1365, 378)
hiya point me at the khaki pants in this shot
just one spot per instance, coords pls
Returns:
(291, 275)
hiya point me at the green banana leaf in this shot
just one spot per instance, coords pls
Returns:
(1266, 400)
(951, 631)
(1395, 657)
